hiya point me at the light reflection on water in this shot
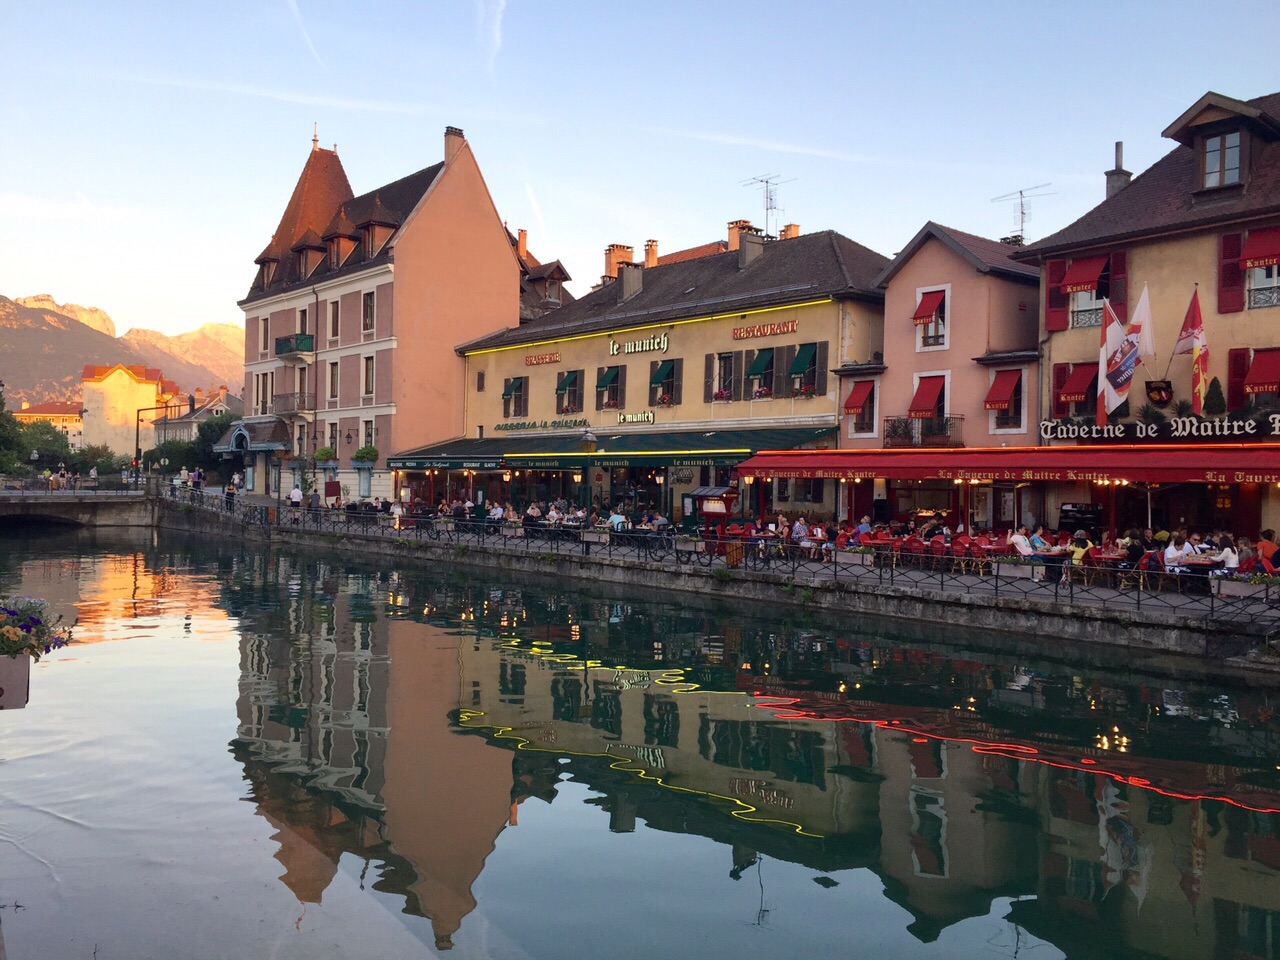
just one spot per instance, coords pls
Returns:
(251, 754)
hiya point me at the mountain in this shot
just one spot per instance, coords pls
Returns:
(42, 352)
(89, 316)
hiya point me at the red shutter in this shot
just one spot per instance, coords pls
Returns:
(1120, 285)
(1056, 302)
(1237, 370)
(1061, 371)
(1230, 276)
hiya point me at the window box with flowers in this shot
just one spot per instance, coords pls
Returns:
(26, 633)
(806, 391)
(762, 393)
(665, 400)
(570, 408)
(722, 396)
(609, 404)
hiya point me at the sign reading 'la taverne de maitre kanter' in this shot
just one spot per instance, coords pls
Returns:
(1260, 428)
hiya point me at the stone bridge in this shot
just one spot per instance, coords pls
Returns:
(84, 508)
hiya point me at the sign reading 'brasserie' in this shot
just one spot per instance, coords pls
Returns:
(537, 359)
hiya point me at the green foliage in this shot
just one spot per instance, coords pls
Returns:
(326, 453)
(179, 453)
(96, 455)
(1182, 408)
(365, 455)
(46, 440)
(1149, 413)
(722, 575)
(9, 432)
(1215, 404)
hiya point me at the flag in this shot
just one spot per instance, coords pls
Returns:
(1117, 357)
(1191, 340)
(1140, 327)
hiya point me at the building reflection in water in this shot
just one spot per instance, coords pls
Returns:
(403, 721)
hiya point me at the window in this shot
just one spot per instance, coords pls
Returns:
(804, 370)
(1086, 305)
(368, 376)
(265, 327)
(569, 392)
(333, 380)
(861, 407)
(760, 374)
(665, 382)
(611, 388)
(723, 383)
(1011, 417)
(930, 318)
(808, 491)
(368, 433)
(366, 314)
(1222, 160)
(333, 320)
(479, 381)
(1263, 286)
(515, 397)
(302, 320)
(333, 435)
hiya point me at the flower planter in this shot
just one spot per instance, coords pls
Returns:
(690, 546)
(1241, 588)
(595, 536)
(330, 468)
(508, 530)
(1025, 570)
(15, 682)
(849, 558)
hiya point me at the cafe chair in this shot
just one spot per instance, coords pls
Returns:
(960, 552)
(1139, 575)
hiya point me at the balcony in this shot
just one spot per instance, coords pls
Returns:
(293, 404)
(933, 432)
(297, 347)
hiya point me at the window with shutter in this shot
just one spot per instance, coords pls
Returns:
(1230, 275)
(677, 382)
(1119, 291)
(709, 382)
(1061, 371)
(1237, 370)
(1056, 302)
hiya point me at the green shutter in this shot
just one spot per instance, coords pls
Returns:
(609, 375)
(661, 374)
(761, 363)
(512, 385)
(567, 381)
(801, 363)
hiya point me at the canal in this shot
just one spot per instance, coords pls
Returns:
(251, 753)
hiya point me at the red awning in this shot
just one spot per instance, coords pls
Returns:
(1264, 372)
(1076, 389)
(1002, 387)
(924, 404)
(857, 398)
(1083, 275)
(1157, 463)
(929, 304)
(1261, 249)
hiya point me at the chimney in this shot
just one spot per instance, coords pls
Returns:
(522, 244)
(1118, 178)
(751, 245)
(651, 253)
(735, 229)
(630, 279)
(222, 392)
(614, 254)
(453, 141)
(191, 403)
(790, 231)
(26, 405)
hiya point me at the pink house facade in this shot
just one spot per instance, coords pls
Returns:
(959, 369)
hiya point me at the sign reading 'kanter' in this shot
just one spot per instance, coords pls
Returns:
(766, 330)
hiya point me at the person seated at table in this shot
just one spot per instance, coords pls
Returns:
(553, 513)
(1040, 541)
(1177, 551)
(617, 520)
(533, 511)
(820, 543)
(799, 530)
(1248, 556)
(864, 525)
(935, 529)
(1080, 545)
(784, 529)
(1196, 541)
(659, 521)
(1133, 549)
(1021, 542)
(1227, 555)
(1265, 547)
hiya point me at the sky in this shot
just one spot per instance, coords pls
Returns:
(150, 148)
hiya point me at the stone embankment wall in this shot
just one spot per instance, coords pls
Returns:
(1008, 622)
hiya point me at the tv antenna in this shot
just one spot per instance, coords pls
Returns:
(1022, 196)
(768, 184)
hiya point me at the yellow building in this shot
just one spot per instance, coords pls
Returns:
(64, 416)
(664, 378)
(120, 404)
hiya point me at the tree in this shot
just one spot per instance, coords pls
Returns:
(47, 441)
(10, 430)
(95, 455)
(1215, 404)
(207, 434)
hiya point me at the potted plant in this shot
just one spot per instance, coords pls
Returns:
(1257, 585)
(855, 556)
(609, 404)
(663, 400)
(722, 395)
(762, 393)
(688, 543)
(807, 391)
(511, 528)
(598, 534)
(1018, 566)
(899, 432)
(26, 633)
(327, 460)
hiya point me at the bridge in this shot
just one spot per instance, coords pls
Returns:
(83, 508)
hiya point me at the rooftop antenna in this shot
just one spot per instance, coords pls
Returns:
(768, 183)
(315, 135)
(1022, 196)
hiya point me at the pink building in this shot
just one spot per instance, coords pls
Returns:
(959, 369)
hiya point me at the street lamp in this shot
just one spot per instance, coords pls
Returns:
(588, 447)
(137, 435)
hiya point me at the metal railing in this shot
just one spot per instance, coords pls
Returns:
(112, 486)
(287, 403)
(295, 343)
(932, 432)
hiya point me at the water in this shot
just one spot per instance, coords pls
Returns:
(253, 754)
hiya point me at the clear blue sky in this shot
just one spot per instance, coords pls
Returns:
(150, 148)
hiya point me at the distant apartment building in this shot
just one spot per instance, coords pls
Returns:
(184, 422)
(120, 404)
(358, 302)
(65, 416)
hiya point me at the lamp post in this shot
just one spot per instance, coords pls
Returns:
(137, 436)
(588, 447)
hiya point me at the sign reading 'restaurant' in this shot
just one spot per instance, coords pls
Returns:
(766, 330)
(536, 359)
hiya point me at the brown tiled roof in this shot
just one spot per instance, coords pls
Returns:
(790, 271)
(340, 226)
(52, 408)
(694, 253)
(1164, 198)
(309, 240)
(139, 372)
(388, 205)
(320, 189)
(986, 256)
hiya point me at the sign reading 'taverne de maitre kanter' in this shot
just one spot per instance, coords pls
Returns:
(1263, 427)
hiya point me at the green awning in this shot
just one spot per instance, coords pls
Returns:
(610, 374)
(512, 387)
(663, 371)
(761, 363)
(801, 363)
(567, 381)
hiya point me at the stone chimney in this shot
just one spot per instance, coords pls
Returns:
(614, 254)
(651, 253)
(630, 279)
(222, 392)
(522, 243)
(735, 230)
(1118, 178)
(789, 232)
(750, 246)
(453, 141)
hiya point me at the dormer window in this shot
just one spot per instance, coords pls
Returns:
(1222, 160)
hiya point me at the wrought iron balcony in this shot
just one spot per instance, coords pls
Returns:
(292, 404)
(294, 344)
(932, 432)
